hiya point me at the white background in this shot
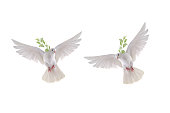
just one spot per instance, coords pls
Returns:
(84, 89)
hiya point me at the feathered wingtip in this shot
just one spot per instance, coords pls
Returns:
(79, 34)
(16, 42)
(77, 38)
(144, 28)
(90, 59)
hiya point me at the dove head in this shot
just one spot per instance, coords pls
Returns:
(53, 50)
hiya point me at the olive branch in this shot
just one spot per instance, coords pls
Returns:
(42, 43)
(122, 44)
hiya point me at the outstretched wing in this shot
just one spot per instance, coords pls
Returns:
(29, 52)
(104, 61)
(67, 47)
(138, 43)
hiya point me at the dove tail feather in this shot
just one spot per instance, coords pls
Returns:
(55, 75)
(132, 76)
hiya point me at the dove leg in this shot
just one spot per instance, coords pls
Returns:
(49, 69)
(131, 68)
(52, 67)
(128, 69)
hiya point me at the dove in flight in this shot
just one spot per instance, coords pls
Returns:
(49, 58)
(124, 60)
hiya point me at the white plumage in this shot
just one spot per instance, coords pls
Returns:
(50, 58)
(125, 60)
(138, 43)
(104, 61)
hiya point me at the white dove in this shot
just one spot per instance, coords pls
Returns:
(125, 60)
(50, 58)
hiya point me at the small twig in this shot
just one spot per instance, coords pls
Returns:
(122, 44)
(42, 43)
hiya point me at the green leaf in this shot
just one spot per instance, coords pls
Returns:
(122, 51)
(121, 43)
(41, 45)
(46, 50)
(124, 45)
(124, 37)
(121, 40)
(41, 39)
(37, 39)
(125, 40)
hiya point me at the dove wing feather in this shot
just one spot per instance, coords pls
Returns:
(29, 52)
(104, 61)
(138, 43)
(67, 47)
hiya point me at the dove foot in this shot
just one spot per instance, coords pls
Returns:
(130, 69)
(49, 69)
(52, 67)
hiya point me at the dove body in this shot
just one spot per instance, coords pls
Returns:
(126, 60)
(49, 58)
